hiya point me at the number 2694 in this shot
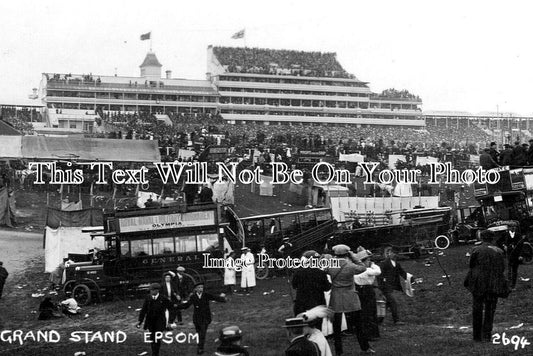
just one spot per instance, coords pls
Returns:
(515, 340)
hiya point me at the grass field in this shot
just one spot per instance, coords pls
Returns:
(438, 318)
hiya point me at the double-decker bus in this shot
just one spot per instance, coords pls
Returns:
(142, 244)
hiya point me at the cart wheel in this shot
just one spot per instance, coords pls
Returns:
(82, 294)
(527, 253)
(442, 242)
(261, 273)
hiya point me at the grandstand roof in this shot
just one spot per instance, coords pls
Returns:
(6, 129)
(22, 102)
(150, 61)
(176, 84)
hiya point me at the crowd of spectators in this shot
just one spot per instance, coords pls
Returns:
(280, 62)
(198, 130)
(397, 94)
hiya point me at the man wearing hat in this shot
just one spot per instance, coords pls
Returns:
(344, 298)
(153, 313)
(3, 277)
(494, 154)
(230, 342)
(389, 281)
(506, 156)
(530, 153)
(183, 285)
(486, 161)
(310, 285)
(248, 270)
(202, 312)
(364, 284)
(300, 345)
(487, 282)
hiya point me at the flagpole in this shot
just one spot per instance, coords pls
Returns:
(244, 37)
(151, 41)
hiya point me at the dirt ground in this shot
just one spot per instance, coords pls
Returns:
(438, 318)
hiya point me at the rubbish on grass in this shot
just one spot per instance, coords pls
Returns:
(517, 326)
(37, 295)
(439, 284)
(463, 328)
(524, 279)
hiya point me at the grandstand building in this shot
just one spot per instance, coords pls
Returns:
(74, 101)
(291, 87)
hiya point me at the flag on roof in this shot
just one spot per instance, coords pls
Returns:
(238, 35)
(146, 36)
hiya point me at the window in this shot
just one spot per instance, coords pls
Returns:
(207, 242)
(186, 244)
(163, 245)
(289, 224)
(141, 247)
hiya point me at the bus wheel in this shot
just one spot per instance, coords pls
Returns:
(442, 242)
(261, 273)
(527, 253)
(82, 294)
(67, 288)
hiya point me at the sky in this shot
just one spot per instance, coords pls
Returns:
(473, 56)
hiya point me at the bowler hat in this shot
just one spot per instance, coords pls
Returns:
(295, 323)
(230, 333)
(199, 284)
(154, 286)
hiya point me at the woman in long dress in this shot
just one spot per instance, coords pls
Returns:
(230, 278)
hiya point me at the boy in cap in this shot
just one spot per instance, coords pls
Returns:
(300, 345)
(202, 312)
(154, 314)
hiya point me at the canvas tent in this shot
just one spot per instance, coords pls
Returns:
(63, 235)
(79, 148)
(90, 149)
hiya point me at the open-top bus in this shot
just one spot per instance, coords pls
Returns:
(304, 229)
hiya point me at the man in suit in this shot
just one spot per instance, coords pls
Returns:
(170, 292)
(494, 151)
(300, 344)
(202, 312)
(344, 298)
(3, 277)
(512, 243)
(389, 281)
(183, 286)
(486, 281)
(486, 161)
(506, 157)
(153, 313)
(310, 285)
